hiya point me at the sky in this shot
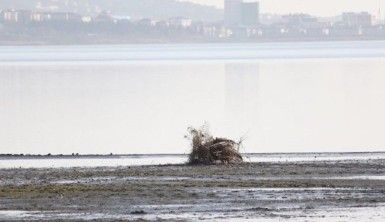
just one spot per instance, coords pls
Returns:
(316, 7)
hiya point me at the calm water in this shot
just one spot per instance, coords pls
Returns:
(287, 97)
(134, 160)
(194, 51)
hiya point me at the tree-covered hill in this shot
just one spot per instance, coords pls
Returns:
(136, 9)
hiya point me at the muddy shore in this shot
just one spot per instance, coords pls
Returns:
(302, 191)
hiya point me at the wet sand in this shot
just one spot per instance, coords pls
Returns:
(351, 190)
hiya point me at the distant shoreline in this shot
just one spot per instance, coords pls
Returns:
(189, 41)
(80, 156)
(97, 156)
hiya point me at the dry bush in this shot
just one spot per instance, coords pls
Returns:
(205, 149)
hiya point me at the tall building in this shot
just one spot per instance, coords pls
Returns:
(352, 19)
(250, 13)
(239, 13)
(379, 20)
(233, 12)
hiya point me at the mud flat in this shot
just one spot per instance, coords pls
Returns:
(349, 190)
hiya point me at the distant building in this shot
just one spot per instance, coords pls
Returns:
(121, 17)
(87, 19)
(269, 19)
(15, 16)
(233, 12)
(250, 13)
(56, 17)
(345, 31)
(104, 17)
(8, 15)
(40, 16)
(352, 19)
(162, 24)
(180, 22)
(304, 25)
(66, 17)
(239, 13)
(299, 20)
(147, 22)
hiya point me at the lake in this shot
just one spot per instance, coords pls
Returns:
(281, 97)
(156, 159)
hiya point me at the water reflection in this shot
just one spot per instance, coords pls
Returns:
(241, 97)
(145, 107)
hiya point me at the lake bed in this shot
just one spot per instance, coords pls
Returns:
(342, 190)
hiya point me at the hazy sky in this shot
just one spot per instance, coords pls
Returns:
(317, 7)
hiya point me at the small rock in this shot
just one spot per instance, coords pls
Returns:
(138, 212)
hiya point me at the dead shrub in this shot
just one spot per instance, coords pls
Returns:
(205, 149)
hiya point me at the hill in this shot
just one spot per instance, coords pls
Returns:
(136, 9)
